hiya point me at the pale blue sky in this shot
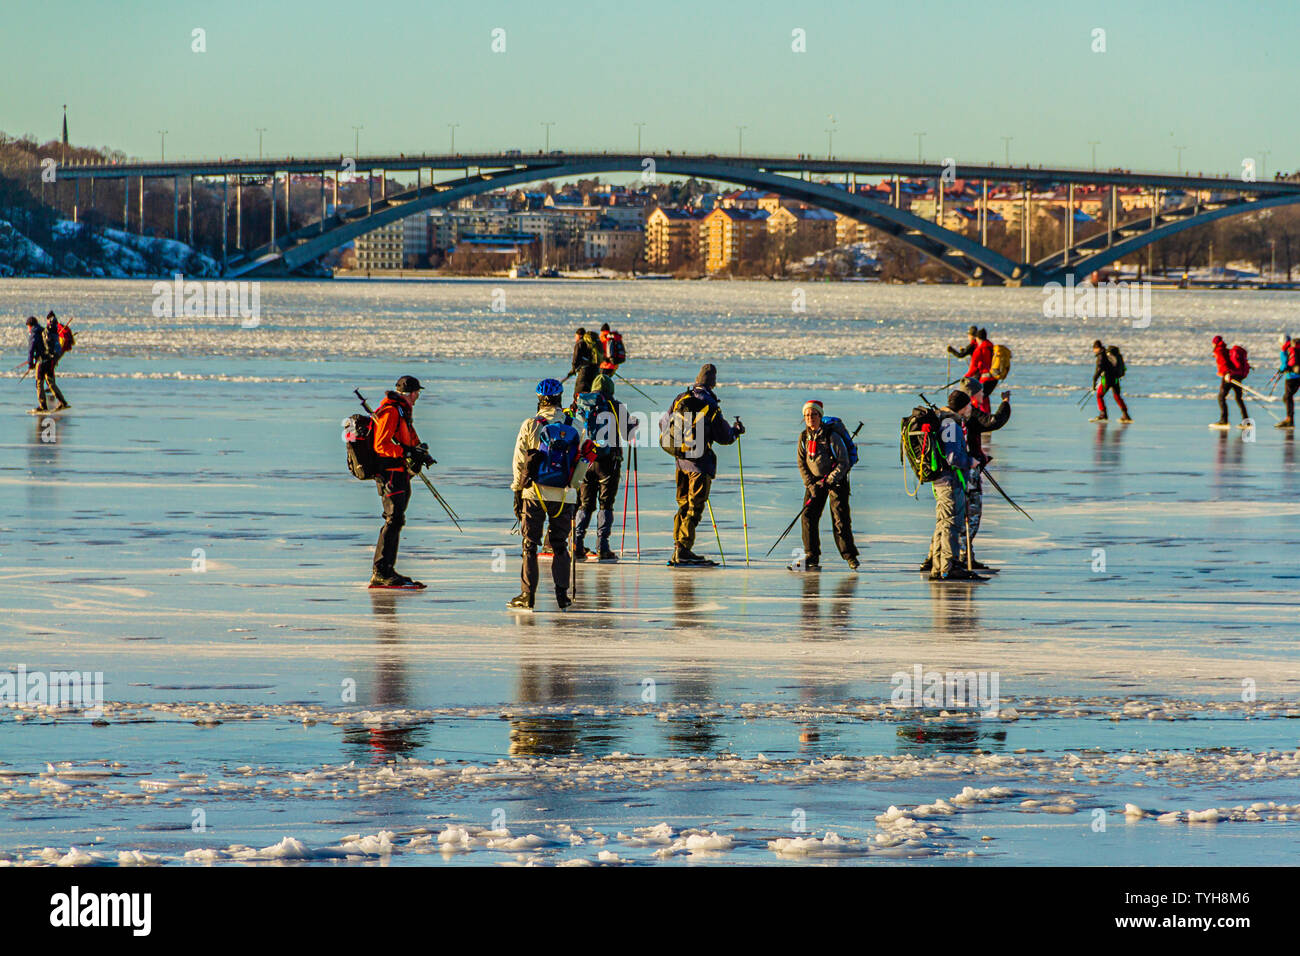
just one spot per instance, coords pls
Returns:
(1217, 78)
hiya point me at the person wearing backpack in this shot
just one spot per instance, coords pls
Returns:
(586, 351)
(612, 352)
(950, 491)
(43, 351)
(978, 423)
(401, 454)
(822, 454)
(1109, 370)
(1230, 376)
(1289, 368)
(604, 419)
(697, 414)
(551, 456)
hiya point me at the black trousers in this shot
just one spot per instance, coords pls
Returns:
(841, 522)
(395, 493)
(599, 486)
(1292, 385)
(1224, 389)
(539, 517)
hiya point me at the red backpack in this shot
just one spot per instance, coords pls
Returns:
(1293, 355)
(1238, 363)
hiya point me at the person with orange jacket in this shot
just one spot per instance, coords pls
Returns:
(402, 454)
(607, 363)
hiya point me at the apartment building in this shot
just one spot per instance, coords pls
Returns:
(733, 235)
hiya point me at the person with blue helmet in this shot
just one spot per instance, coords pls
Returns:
(1289, 369)
(551, 456)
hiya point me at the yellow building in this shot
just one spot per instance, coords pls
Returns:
(732, 236)
(802, 230)
(672, 238)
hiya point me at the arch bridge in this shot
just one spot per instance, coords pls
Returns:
(969, 258)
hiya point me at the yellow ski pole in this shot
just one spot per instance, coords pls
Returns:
(716, 535)
(744, 519)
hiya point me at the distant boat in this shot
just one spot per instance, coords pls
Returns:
(522, 270)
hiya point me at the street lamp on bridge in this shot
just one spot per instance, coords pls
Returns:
(740, 140)
(452, 127)
(1094, 143)
(260, 131)
(162, 146)
(547, 124)
(1006, 143)
(638, 135)
(356, 142)
(830, 134)
(919, 137)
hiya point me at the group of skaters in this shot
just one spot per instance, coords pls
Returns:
(1233, 365)
(569, 460)
(45, 346)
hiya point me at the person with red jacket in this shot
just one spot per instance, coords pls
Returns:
(980, 350)
(403, 454)
(1230, 378)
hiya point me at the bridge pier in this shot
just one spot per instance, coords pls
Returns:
(126, 204)
(322, 201)
(176, 208)
(140, 203)
(190, 224)
(1068, 224)
(273, 209)
(288, 178)
(239, 212)
(984, 212)
(225, 219)
(76, 198)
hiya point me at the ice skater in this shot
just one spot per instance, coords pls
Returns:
(551, 456)
(402, 455)
(1105, 377)
(822, 454)
(1232, 367)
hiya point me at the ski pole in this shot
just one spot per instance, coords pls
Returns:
(1263, 398)
(627, 490)
(715, 532)
(1086, 395)
(636, 499)
(744, 520)
(631, 386)
(995, 484)
(788, 528)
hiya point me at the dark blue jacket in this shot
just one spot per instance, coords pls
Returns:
(35, 345)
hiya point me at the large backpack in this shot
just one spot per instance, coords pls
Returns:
(1116, 361)
(918, 444)
(359, 435)
(50, 339)
(598, 418)
(66, 339)
(553, 462)
(614, 350)
(592, 341)
(1000, 367)
(838, 427)
(1238, 364)
(679, 427)
(1293, 355)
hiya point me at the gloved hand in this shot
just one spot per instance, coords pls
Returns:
(738, 427)
(519, 506)
(417, 457)
(952, 351)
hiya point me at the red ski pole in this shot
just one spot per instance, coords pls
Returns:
(623, 538)
(636, 500)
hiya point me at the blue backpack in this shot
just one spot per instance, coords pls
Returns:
(556, 456)
(839, 428)
(598, 418)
